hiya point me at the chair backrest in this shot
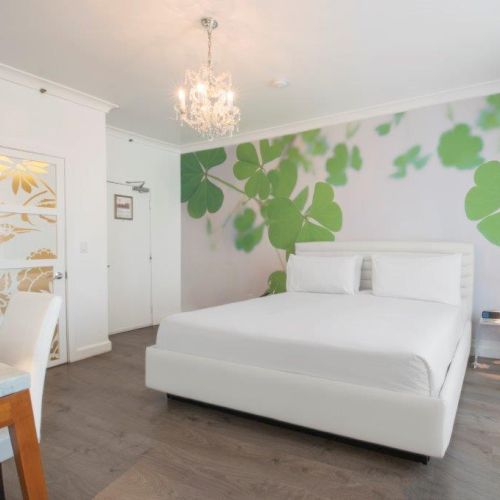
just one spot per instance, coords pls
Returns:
(25, 338)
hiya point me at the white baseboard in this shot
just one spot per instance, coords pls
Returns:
(129, 329)
(90, 350)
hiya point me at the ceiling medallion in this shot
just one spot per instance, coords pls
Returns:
(206, 101)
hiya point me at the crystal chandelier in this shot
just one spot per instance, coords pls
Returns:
(206, 102)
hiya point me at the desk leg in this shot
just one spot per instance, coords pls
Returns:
(2, 488)
(26, 447)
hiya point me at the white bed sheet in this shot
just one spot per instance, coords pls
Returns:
(396, 344)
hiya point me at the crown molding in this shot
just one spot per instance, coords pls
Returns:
(19, 77)
(445, 96)
(142, 139)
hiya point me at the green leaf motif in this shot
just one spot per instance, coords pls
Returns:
(287, 224)
(191, 176)
(284, 222)
(244, 170)
(320, 147)
(323, 209)
(337, 165)
(351, 129)
(301, 199)
(283, 179)
(398, 117)
(201, 194)
(247, 153)
(283, 141)
(295, 155)
(313, 232)
(458, 148)
(311, 135)
(248, 236)
(410, 157)
(383, 129)
(356, 160)
(258, 185)
(249, 166)
(490, 228)
(276, 283)
(210, 158)
(270, 152)
(316, 143)
(489, 118)
(207, 198)
(482, 202)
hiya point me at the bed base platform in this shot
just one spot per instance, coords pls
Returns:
(410, 423)
(414, 457)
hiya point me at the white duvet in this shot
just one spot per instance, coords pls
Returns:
(395, 344)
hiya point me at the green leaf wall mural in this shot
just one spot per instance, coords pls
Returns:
(344, 156)
(273, 193)
(459, 148)
(483, 201)
(489, 118)
(250, 168)
(201, 194)
(248, 234)
(269, 172)
(386, 127)
(412, 157)
(340, 161)
(276, 282)
(288, 225)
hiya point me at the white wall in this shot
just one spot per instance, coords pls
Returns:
(160, 168)
(50, 125)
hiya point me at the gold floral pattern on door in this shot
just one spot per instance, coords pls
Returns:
(9, 231)
(5, 284)
(31, 279)
(32, 182)
(26, 183)
(30, 185)
(18, 237)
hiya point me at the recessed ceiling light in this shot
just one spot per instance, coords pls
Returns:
(280, 83)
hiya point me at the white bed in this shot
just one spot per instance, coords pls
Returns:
(384, 370)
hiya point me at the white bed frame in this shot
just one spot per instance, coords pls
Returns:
(413, 423)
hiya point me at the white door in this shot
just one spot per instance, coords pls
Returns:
(129, 259)
(32, 240)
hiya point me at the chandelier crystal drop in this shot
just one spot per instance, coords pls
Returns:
(206, 102)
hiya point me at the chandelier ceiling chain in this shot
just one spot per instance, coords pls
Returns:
(206, 102)
(212, 24)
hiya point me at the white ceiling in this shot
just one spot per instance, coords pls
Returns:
(339, 55)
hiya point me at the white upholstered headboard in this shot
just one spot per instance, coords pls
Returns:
(368, 248)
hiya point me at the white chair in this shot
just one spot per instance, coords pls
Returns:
(25, 339)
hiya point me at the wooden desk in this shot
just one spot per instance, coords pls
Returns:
(16, 413)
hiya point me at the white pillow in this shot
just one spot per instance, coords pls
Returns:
(323, 274)
(433, 278)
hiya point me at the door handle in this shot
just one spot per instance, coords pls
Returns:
(58, 276)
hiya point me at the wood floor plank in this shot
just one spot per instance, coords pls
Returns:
(104, 433)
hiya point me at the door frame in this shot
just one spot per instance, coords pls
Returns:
(61, 243)
(150, 243)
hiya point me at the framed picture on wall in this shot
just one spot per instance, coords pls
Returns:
(124, 207)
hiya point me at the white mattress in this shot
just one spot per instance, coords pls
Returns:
(395, 344)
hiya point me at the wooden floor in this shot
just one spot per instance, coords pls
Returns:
(105, 434)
